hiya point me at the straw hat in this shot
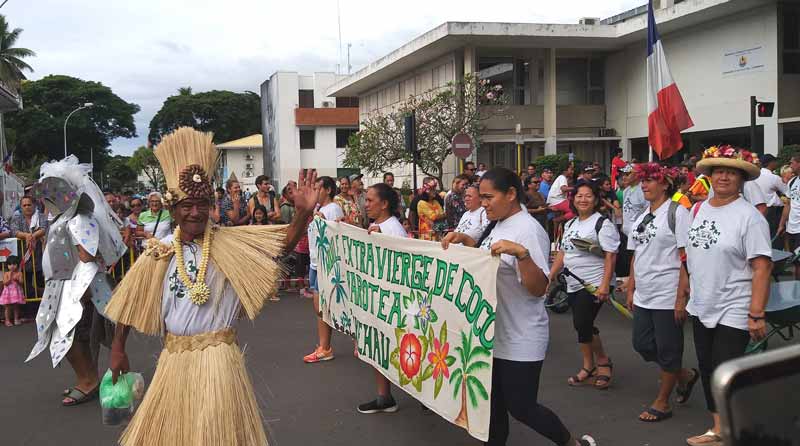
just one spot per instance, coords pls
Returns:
(188, 159)
(729, 156)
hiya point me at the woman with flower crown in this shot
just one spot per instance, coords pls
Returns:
(658, 241)
(192, 287)
(728, 270)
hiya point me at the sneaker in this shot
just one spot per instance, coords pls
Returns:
(587, 440)
(375, 407)
(318, 355)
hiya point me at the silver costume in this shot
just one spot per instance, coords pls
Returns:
(83, 218)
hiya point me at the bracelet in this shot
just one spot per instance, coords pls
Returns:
(756, 318)
(527, 254)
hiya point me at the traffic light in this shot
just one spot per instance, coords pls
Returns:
(765, 109)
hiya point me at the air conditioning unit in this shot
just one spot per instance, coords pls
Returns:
(327, 104)
(248, 173)
(589, 21)
(248, 166)
(248, 157)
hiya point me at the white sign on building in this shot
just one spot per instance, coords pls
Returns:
(743, 61)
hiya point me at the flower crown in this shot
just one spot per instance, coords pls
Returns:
(728, 151)
(656, 172)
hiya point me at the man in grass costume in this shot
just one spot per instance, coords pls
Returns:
(191, 287)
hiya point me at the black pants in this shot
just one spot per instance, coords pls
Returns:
(715, 346)
(515, 389)
(658, 338)
(774, 219)
(585, 307)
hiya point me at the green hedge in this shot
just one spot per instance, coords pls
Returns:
(556, 163)
(787, 152)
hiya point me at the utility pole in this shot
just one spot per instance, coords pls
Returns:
(411, 143)
(753, 105)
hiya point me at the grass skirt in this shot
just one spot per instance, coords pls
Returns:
(200, 395)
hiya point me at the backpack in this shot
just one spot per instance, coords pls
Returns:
(673, 208)
(597, 226)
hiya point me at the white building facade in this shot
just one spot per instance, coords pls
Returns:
(582, 88)
(243, 158)
(303, 126)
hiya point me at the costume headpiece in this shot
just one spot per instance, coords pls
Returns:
(729, 156)
(657, 172)
(188, 158)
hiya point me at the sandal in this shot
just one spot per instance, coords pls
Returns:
(685, 393)
(657, 414)
(603, 382)
(78, 396)
(576, 380)
(707, 439)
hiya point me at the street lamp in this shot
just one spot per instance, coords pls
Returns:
(86, 105)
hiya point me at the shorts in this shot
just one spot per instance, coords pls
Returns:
(312, 279)
(794, 241)
(658, 338)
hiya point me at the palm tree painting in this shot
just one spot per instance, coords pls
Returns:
(463, 379)
(11, 63)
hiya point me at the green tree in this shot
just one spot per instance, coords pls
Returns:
(227, 114)
(12, 64)
(461, 107)
(37, 130)
(120, 174)
(144, 161)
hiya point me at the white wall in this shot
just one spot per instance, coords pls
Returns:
(236, 162)
(695, 58)
(289, 158)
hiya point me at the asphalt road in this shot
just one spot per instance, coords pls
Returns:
(315, 404)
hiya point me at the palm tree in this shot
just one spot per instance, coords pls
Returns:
(464, 380)
(11, 63)
(185, 91)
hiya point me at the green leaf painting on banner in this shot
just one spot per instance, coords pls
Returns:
(422, 316)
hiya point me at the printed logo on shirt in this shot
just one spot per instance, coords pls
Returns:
(566, 241)
(794, 191)
(645, 236)
(176, 286)
(704, 235)
(487, 243)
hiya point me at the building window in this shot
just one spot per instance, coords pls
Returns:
(307, 139)
(343, 136)
(791, 41)
(347, 102)
(306, 98)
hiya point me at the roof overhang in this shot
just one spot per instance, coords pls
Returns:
(451, 36)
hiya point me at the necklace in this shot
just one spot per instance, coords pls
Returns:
(198, 290)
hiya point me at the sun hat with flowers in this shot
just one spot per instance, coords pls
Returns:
(729, 156)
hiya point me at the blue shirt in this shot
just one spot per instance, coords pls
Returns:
(544, 188)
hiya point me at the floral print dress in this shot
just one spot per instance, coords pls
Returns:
(428, 214)
(352, 213)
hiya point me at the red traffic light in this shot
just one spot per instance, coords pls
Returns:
(765, 109)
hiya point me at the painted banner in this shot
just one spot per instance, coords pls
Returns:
(8, 247)
(422, 316)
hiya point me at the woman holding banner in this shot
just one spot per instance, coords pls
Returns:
(522, 330)
(587, 256)
(381, 204)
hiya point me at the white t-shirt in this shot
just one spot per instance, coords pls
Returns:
(555, 195)
(473, 223)
(657, 263)
(770, 185)
(522, 329)
(585, 265)
(793, 192)
(633, 205)
(184, 318)
(722, 241)
(392, 226)
(331, 211)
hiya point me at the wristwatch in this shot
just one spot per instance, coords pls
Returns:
(524, 256)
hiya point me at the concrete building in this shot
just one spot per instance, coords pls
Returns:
(244, 158)
(303, 126)
(581, 88)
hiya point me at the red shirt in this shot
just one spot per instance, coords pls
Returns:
(616, 164)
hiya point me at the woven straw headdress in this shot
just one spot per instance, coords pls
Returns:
(189, 159)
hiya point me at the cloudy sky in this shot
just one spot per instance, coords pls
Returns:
(146, 49)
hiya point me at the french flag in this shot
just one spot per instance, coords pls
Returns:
(667, 114)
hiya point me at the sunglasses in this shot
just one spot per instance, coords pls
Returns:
(645, 221)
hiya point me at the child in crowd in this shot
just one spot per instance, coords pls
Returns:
(407, 226)
(12, 296)
(260, 216)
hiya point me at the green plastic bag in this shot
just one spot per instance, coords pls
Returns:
(119, 395)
